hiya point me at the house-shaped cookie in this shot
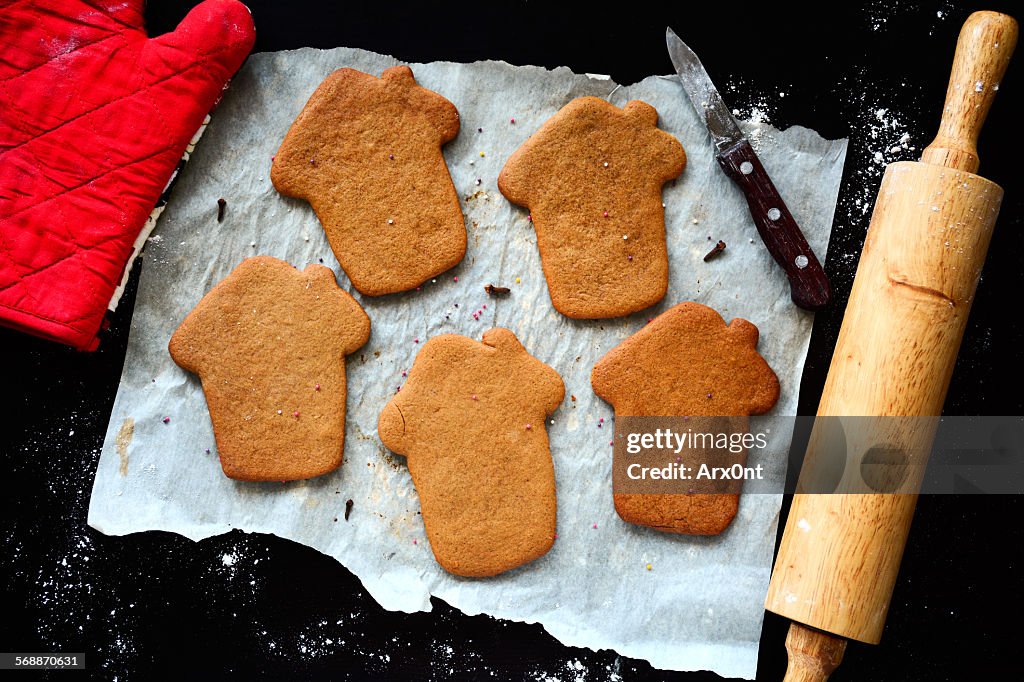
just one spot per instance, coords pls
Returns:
(687, 362)
(591, 178)
(269, 344)
(470, 419)
(365, 152)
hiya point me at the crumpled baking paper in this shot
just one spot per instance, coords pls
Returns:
(681, 603)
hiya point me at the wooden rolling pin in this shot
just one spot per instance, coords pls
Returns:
(901, 332)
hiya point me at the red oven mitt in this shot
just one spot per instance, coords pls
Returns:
(94, 118)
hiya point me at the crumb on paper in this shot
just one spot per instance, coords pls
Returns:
(123, 440)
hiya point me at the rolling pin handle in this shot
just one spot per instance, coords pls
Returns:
(813, 654)
(983, 52)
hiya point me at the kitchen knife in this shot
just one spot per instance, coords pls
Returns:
(809, 286)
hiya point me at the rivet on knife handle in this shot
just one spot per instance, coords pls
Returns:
(809, 286)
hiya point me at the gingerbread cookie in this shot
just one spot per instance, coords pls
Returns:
(269, 344)
(686, 362)
(591, 178)
(365, 152)
(470, 420)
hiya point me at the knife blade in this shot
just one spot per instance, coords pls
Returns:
(809, 286)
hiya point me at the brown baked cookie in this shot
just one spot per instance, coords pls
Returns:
(470, 420)
(591, 178)
(269, 344)
(365, 152)
(686, 362)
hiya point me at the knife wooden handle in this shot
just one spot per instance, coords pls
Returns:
(809, 286)
(983, 52)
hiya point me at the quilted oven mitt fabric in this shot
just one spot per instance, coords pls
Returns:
(94, 118)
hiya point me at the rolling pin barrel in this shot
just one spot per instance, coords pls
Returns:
(923, 255)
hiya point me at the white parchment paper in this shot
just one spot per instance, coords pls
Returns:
(699, 605)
